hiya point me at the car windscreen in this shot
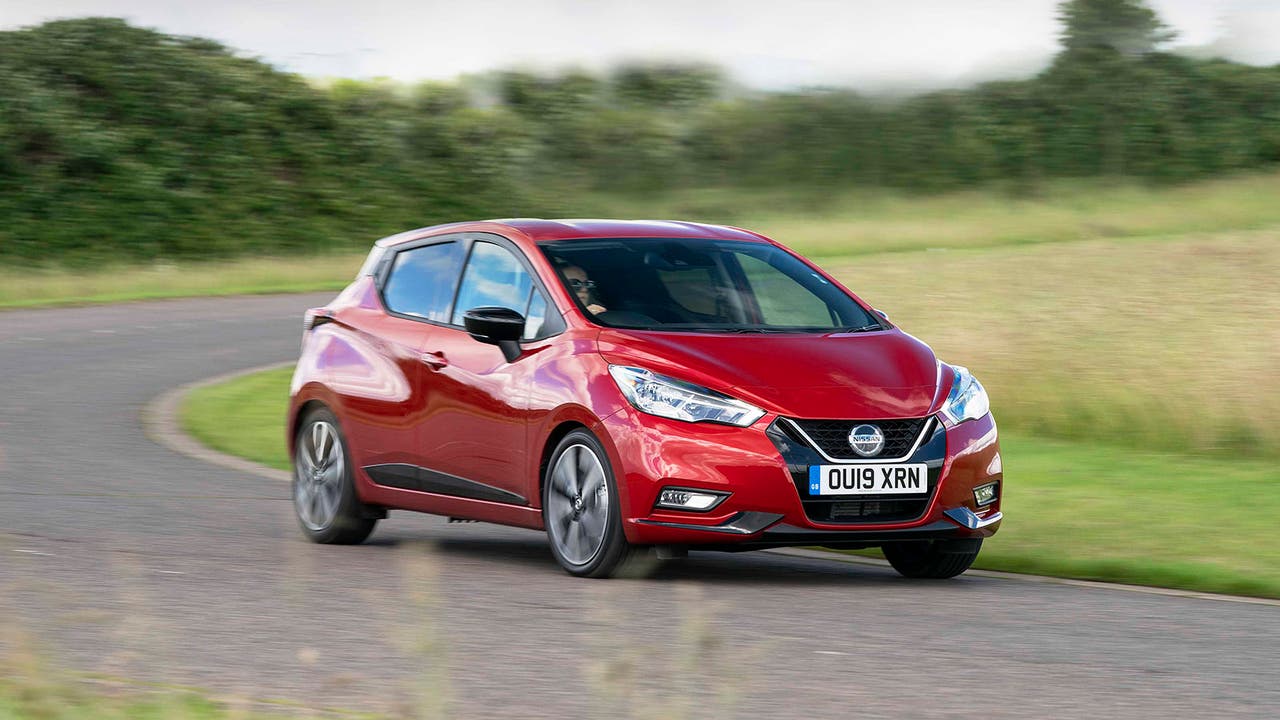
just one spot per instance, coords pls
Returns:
(701, 285)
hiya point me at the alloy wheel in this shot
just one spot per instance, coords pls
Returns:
(318, 475)
(578, 505)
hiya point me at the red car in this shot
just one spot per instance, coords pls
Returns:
(635, 387)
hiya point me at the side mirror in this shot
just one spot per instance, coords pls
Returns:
(881, 314)
(496, 326)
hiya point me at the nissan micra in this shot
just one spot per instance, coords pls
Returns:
(635, 387)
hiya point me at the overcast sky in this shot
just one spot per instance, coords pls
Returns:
(867, 44)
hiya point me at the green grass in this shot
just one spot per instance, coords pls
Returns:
(32, 690)
(34, 687)
(1085, 510)
(41, 702)
(244, 417)
(1075, 509)
(51, 696)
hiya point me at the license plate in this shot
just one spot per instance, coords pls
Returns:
(905, 479)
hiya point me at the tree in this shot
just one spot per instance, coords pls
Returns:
(666, 85)
(1126, 26)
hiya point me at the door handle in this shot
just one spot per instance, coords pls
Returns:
(434, 360)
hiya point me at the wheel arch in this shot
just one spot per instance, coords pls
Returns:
(295, 422)
(553, 439)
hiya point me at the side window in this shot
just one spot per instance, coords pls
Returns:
(422, 280)
(494, 277)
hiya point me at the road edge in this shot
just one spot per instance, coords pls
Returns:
(160, 423)
(831, 555)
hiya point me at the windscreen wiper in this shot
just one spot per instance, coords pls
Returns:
(728, 329)
(748, 330)
(863, 328)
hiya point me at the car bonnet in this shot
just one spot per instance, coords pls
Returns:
(884, 374)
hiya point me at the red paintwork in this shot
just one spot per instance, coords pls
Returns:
(868, 376)
(479, 417)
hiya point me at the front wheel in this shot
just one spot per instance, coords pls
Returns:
(932, 558)
(324, 493)
(581, 511)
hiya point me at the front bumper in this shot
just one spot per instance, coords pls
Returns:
(763, 469)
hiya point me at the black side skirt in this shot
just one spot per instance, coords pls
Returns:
(412, 477)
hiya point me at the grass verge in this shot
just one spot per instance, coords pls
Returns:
(1075, 509)
(244, 417)
(1085, 510)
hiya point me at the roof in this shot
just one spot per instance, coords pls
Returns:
(540, 230)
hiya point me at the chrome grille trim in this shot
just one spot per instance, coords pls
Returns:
(925, 431)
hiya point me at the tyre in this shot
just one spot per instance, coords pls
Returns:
(932, 558)
(581, 511)
(324, 493)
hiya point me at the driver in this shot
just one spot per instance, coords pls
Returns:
(584, 287)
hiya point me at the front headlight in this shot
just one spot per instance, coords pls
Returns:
(967, 399)
(676, 399)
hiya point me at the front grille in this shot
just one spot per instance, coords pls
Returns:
(832, 436)
(800, 455)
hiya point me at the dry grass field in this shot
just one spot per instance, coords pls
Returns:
(1166, 343)
(851, 222)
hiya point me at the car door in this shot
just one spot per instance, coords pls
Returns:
(417, 291)
(478, 404)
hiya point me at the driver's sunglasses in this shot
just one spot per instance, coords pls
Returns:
(577, 284)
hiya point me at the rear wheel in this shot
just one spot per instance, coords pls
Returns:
(932, 558)
(324, 493)
(581, 511)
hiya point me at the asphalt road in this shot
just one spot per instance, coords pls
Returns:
(124, 559)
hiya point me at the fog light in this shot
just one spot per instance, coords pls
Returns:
(985, 494)
(685, 499)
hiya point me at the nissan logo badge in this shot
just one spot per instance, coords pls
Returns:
(866, 440)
